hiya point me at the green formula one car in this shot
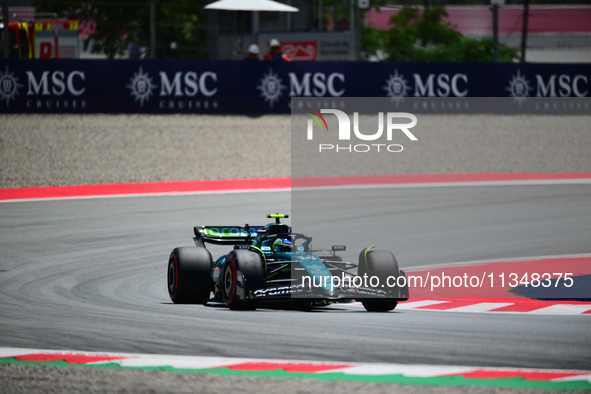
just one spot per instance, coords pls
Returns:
(271, 264)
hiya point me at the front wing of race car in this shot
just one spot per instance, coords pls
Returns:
(334, 294)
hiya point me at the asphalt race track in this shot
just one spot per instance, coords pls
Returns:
(90, 274)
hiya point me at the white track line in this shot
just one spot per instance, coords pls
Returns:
(481, 307)
(562, 309)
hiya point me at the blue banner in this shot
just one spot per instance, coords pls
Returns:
(239, 87)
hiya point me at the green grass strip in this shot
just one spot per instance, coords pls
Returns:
(457, 380)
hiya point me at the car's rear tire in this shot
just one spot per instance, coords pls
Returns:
(252, 267)
(381, 264)
(189, 275)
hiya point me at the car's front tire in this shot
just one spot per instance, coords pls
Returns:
(381, 264)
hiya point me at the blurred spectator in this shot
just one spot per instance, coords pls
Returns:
(253, 53)
(133, 50)
(172, 50)
(275, 53)
(343, 24)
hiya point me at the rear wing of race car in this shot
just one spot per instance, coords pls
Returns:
(225, 235)
(237, 235)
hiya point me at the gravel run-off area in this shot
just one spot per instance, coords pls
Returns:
(47, 150)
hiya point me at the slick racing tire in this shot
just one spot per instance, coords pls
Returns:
(251, 266)
(381, 264)
(189, 275)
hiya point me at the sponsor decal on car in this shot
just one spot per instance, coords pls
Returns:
(225, 232)
(274, 291)
(216, 274)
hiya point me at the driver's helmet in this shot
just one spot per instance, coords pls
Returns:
(282, 245)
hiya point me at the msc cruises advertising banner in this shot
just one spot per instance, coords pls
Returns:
(238, 87)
